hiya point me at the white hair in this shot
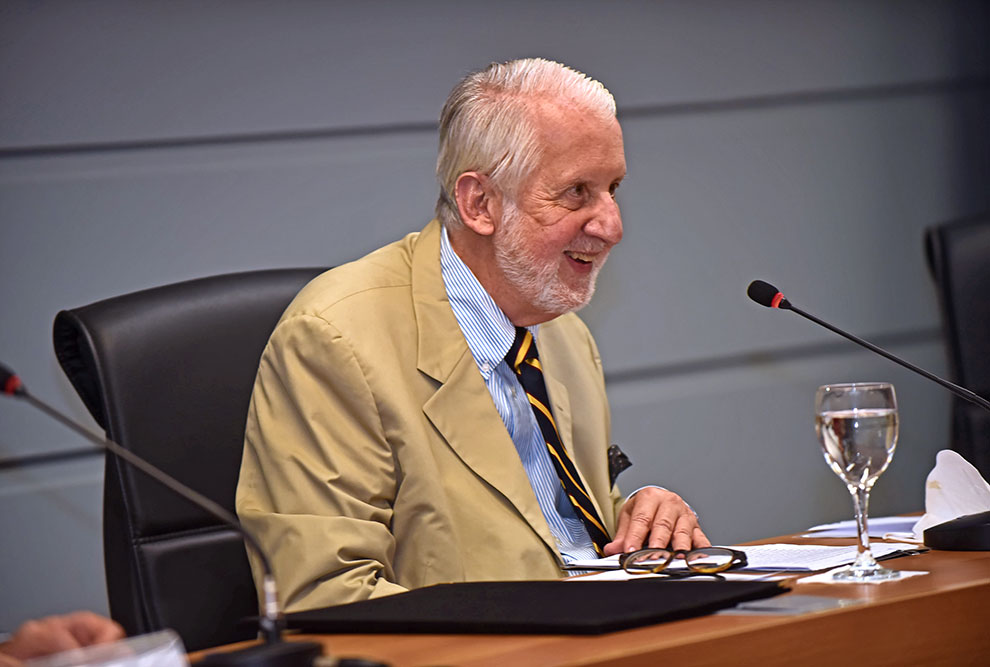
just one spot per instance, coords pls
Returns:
(487, 125)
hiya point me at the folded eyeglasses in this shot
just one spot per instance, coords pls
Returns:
(706, 560)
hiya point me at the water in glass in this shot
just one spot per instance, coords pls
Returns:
(857, 428)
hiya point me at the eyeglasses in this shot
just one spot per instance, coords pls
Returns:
(706, 560)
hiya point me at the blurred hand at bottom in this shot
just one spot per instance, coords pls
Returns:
(54, 634)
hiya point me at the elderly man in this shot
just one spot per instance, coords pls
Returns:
(405, 429)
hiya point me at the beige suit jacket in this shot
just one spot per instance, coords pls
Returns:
(374, 458)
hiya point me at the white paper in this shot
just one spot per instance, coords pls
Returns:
(777, 557)
(622, 575)
(879, 527)
(811, 557)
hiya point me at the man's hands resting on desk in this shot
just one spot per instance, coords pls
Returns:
(660, 514)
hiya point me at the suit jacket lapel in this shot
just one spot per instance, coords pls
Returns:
(462, 409)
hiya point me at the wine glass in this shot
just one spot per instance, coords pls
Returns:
(856, 425)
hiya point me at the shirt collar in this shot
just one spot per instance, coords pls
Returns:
(488, 331)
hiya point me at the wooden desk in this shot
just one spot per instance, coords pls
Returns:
(942, 618)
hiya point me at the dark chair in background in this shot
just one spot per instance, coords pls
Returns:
(168, 373)
(959, 258)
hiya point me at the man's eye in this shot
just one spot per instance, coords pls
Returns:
(577, 193)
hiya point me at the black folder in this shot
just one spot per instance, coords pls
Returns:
(533, 607)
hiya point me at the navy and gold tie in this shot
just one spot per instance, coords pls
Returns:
(525, 361)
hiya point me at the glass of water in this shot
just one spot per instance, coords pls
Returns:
(857, 427)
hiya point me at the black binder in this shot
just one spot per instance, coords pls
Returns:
(533, 607)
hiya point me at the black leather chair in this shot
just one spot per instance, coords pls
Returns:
(167, 373)
(958, 256)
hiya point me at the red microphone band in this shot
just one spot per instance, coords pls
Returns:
(11, 386)
(777, 298)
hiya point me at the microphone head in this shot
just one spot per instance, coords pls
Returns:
(767, 295)
(10, 384)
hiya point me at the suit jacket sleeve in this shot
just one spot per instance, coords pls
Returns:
(318, 477)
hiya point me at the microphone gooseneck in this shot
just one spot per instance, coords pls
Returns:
(767, 295)
(274, 652)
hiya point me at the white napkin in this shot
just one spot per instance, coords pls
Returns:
(954, 488)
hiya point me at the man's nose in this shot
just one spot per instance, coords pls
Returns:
(607, 221)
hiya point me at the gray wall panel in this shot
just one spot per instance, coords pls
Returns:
(80, 228)
(52, 556)
(738, 194)
(135, 71)
(827, 201)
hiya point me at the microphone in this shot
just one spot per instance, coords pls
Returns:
(965, 533)
(767, 295)
(273, 652)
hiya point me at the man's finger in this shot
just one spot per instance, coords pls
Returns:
(664, 524)
(635, 521)
(640, 525)
(681, 539)
(617, 545)
(700, 539)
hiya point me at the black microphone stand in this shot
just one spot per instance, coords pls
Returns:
(961, 392)
(274, 652)
(965, 533)
(767, 295)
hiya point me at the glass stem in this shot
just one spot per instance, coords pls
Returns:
(861, 501)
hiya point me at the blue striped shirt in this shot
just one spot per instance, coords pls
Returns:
(489, 335)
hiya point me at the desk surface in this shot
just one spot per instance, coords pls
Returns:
(942, 618)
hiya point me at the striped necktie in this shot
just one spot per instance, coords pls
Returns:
(525, 361)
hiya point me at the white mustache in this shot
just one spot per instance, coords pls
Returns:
(595, 250)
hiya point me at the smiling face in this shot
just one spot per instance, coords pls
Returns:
(551, 242)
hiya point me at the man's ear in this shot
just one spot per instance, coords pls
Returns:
(475, 202)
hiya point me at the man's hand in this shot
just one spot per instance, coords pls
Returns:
(54, 634)
(660, 515)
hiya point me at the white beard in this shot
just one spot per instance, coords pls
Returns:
(537, 280)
